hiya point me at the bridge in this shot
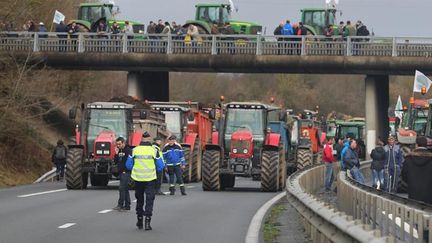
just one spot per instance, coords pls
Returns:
(149, 59)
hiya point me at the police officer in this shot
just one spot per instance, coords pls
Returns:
(122, 154)
(157, 142)
(144, 163)
(175, 162)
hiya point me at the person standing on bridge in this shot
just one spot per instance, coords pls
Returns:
(122, 154)
(175, 161)
(144, 163)
(59, 159)
(328, 159)
(352, 162)
(392, 165)
(157, 142)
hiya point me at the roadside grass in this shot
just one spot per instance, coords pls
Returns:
(271, 225)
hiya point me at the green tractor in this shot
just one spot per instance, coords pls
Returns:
(89, 15)
(354, 128)
(316, 19)
(213, 19)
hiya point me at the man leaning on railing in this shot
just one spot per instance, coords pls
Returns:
(352, 163)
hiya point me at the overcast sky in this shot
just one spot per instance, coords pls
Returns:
(384, 17)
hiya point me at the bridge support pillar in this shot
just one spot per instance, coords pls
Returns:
(377, 103)
(149, 85)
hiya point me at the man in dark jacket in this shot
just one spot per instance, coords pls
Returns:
(278, 32)
(122, 154)
(377, 165)
(392, 165)
(175, 162)
(59, 159)
(352, 162)
(61, 28)
(416, 172)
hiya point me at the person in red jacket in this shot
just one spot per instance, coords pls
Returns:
(328, 159)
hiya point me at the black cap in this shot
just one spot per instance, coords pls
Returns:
(146, 135)
(157, 138)
(172, 137)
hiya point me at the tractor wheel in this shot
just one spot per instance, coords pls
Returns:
(99, 180)
(282, 168)
(304, 158)
(75, 178)
(196, 162)
(186, 171)
(318, 157)
(227, 181)
(210, 170)
(270, 171)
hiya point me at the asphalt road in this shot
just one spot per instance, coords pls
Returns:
(47, 212)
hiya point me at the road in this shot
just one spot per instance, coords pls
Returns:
(47, 212)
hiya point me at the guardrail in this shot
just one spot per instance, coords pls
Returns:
(217, 44)
(398, 217)
(322, 222)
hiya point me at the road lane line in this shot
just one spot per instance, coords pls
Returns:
(105, 211)
(190, 187)
(41, 193)
(66, 225)
(254, 229)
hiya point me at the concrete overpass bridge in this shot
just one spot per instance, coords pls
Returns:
(149, 59)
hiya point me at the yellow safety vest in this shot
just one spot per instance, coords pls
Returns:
(144, 168)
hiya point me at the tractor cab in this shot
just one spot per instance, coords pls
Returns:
(218, 14)
(92, 12)
(316, 19)
(355, 130)
(176, 118)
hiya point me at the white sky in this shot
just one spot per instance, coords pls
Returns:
(384, 17)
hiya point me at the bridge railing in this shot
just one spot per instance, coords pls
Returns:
(217, 44)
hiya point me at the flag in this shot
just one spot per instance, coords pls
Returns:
(421, 80)
(232, 6)
(58, 17)
(398, 109)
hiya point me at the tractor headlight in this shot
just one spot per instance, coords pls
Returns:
(99, 151)
(234, 150)
(106, 152)
(245, 151)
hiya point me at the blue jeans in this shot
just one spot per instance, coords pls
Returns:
(124, 197)
(357, 175)
(60, 168)
(178, 172)
(328, 176)
(378, 175)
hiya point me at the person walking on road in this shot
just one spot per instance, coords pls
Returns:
(392, 165)
(416, 172)
(144, 163)
(157, 142)
(352, 162)
(122, 154)
(59, 159)
(328, 159)
(175, 161)
(377, 165)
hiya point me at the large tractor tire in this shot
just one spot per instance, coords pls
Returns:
(99, 180)
(210, 170)
(186, 171)
(282, 169)
(196, 162)
(270, 171)
(304, 158)
(227, 181)
(318, 157)
(75, 178)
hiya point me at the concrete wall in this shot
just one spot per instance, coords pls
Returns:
(149, 85)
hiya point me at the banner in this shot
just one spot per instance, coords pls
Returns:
(421, 80)
(398, 109)
(58, 17)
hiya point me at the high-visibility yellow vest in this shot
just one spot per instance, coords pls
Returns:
(144, 168)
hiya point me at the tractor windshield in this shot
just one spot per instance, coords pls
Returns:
(212, 14)
(172, 119)
(250, 119)
(351, 131)
(94, 13)
(107, 119)
(314, 18)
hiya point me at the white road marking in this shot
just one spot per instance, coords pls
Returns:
(112, 182)
(166, 193)
(105, 211)
(41, 193)
(66, 225)
(134, 201)
(190, 186)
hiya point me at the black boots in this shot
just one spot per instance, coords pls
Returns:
(139, 223)
(183, 191)
(147, 223)
(172, 190)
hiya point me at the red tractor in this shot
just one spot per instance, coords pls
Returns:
(193, 127)
(93, 154)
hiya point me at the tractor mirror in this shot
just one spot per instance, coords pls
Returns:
(72, 114)
(212, 114)
(191, 117)
(282, 116)
(143, 115)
